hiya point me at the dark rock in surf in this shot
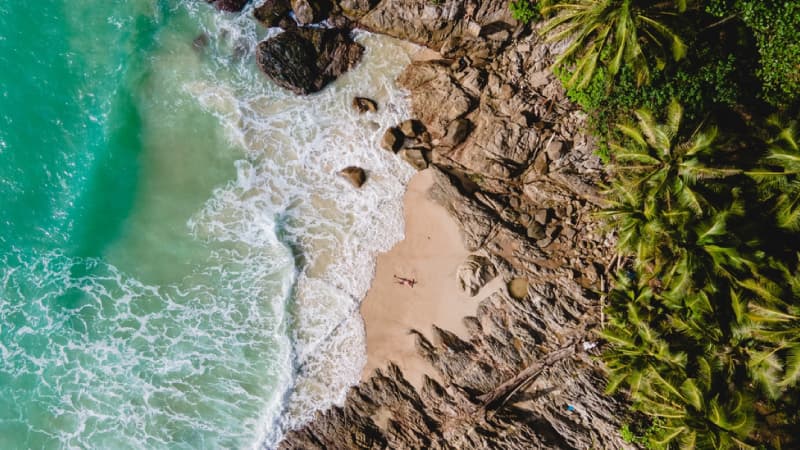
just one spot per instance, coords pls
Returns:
(306, 59)
(355, 175)
(392, 139)
(271, 12)
(363, 105)
(228, 5)
(200, 42)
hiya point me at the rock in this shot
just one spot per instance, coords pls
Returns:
(310, 11)
(340, 21)
(518, 288)
(473, 29)
(540, 164)
(411, 128)
(200, 42)
(355, 175)
(536, 231)
(501, 35)
(457, 132)
(542, 216)
(553, 230)
(474, 273)
(355, 9)
(271, 12)
(392, 139)
(305, 60)
(415, 157)
(438, 100)
(228, 5)
(431, 23)
(554, 150)
(363, 104)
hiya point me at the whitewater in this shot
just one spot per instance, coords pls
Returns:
(180, 264)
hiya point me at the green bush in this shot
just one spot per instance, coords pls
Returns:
(523, 11)
(774, 25)
(714, 76)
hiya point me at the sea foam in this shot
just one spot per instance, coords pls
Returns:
(295, 147)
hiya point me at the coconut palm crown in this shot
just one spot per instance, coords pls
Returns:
(613, 33)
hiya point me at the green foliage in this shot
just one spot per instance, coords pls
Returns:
(611, 34)
(524, 11)
(710, 78)
(704, 324)
(704, 320)
(774, 24)
(641, 432)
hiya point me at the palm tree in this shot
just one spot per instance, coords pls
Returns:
(659, 202)
(665, 168)
(613, 33)
(771, 313)
(680, 381)
(779, 176)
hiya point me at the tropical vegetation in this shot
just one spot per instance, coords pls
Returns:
(695, 105)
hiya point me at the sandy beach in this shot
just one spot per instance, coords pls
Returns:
(430, 254)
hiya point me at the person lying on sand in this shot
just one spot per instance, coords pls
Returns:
(410, 282)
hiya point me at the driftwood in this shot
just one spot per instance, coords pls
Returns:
(502, 393)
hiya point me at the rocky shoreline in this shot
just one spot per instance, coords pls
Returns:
(514, 168)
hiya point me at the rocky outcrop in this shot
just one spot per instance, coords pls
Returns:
(515, 170)
(304, 60)
(433, 23)
(438, 100)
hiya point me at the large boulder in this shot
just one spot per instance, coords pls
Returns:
(436, 99)
(228, 5)
(392, 139)
(271, 12)
(457, 131)
(306, 59)
(416, 157)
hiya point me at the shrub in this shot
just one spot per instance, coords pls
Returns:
(774, 25)
(523, 10)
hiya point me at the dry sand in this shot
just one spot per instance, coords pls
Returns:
(430, 254)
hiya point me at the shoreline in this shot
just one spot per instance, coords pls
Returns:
(430, 253)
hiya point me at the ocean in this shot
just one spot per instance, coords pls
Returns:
(180, 264)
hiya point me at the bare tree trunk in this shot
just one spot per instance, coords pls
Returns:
(503, 392)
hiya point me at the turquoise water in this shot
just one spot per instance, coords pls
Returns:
(120, 328)
(180, 266)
